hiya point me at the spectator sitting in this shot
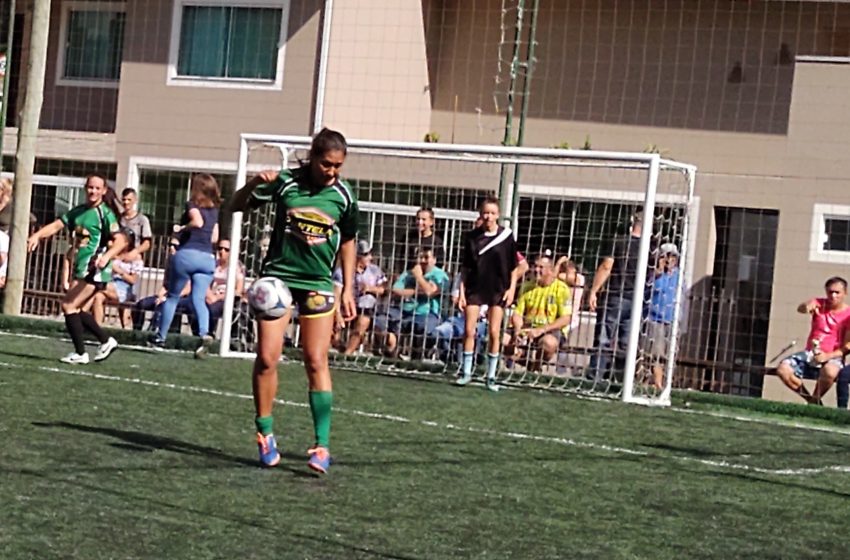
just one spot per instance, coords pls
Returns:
(125, 274)
(449, 333)
(568, 274)
(217, 290)
(661, 308)
(420, 289)
(542, 313)
(153, 303)
(5, 204)
(369, 284)
(4, 257)
(825, 346)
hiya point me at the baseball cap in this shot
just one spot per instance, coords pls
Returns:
(363, 247)
(669, 249)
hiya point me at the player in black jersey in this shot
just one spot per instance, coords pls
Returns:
(490, 270)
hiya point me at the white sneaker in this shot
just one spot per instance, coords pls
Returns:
(105, 349)
(74, 358)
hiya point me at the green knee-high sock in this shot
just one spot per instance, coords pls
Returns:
(321, 403)
(264, 424)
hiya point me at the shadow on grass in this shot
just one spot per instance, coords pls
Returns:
(839, 450)
(139, 442)
(763, 479)
(40, 357)
(339, 548)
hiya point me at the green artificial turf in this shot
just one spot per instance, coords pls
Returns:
(152, 455)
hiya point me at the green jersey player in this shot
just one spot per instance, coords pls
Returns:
(96, 230)
(315, 220)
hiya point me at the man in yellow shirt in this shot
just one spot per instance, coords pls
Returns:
(543, 312)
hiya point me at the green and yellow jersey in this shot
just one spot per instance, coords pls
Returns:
(543, 305)
(94, 226)
(310, 225)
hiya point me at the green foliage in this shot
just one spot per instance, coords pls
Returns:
(431, 137)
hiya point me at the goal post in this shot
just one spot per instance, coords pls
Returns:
(570, 203)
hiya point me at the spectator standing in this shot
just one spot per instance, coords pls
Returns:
(422, 237)
(194, 258)
(370, 283)
(825, 346)
(138, 223)
(125, 274)
(616, 273)
(419, 289)
(217, 290)
(662, 305)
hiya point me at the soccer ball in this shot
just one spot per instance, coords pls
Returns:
(269, 297)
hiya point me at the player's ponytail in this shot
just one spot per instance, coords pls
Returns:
(325, 141)
(111, 201)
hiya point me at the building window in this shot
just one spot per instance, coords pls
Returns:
(830, 241)
(235, 45)
(92, 39)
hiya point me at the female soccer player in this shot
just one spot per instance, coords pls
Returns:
(489, 274)
(98, 240)
(315, 218)
(194, 258)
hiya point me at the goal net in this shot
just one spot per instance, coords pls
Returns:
(578, 214)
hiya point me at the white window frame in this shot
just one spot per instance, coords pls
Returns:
(67, 8)
(821, 213)
(174, 79)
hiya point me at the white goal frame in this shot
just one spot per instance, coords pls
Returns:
(652, 163)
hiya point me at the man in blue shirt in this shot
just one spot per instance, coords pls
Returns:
(662, 306)
(420, 290)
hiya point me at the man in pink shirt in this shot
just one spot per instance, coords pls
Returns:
(826, 346)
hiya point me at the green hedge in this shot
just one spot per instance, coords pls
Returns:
(793, 410)
(50, 327)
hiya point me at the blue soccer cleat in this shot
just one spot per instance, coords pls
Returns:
(269, 455)
(320, 459)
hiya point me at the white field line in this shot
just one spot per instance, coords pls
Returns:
(431, 424)
(714, 414)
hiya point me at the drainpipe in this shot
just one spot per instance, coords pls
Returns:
(319, 113)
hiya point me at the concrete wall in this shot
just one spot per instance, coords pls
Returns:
(201, 123)
(378, 70)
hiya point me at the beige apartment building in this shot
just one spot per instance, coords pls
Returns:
(755, 94)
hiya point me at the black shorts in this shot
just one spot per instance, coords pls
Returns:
(89, 279)
(366, 311)
(313, 303)
(491, 299)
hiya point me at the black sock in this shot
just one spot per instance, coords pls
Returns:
(91, 325)
(75, 329)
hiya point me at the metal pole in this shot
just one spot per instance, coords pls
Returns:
(324, 54)
(509, 114)
(25, 158)
(10, 36)
(526, 92)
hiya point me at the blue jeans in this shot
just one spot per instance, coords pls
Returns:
(611, 334)
(397, 322)
(188, 264)
(449, 335)
(842, 387)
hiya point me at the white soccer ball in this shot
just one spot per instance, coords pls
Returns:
(269, 297)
